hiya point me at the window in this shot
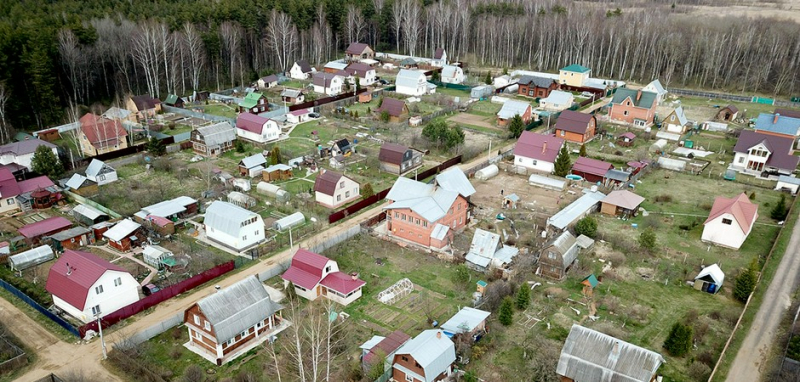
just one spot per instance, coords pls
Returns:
(625, 112)
(347, 194)
(339, 198)
(416, 221)
(341, 185)
(534, 162)
(118, 281)
(327, 269)
(10, 201)
(397, 215)
(551, 255)
(244, 237)
(196, 319)
(96, 310)
(741, 159)
(98, 289)
(404, 217)
(404, 358)
(206, 325)
(256, 233)
(230, 342)
(425, 224)
(101, 177)
(563, 133)
(244, 333)
(409, 378)
(727, 221)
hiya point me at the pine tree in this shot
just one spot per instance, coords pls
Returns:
(275, 155)
(563, 163)
(745, 283)
(647, 239)
(156, 147)
(516, 126)
(488, 79)
(523, 297)
(586, 226)
(583, 151)
(367, 191)
(679, 341)
(506, 311)
(45, 162)
(780, 210)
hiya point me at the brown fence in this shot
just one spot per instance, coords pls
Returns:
(354, 208)
(160, 296)
(323, 101)
(115, 154)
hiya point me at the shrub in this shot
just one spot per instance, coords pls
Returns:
(699, 371)
(523, 297)
(461, 275)
(679, 341)
(753, 195)
(780, 210)
(586, 226)
(647, 239)
(506, 312)
(663, 198)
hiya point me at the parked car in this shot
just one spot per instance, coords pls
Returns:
(313, 115)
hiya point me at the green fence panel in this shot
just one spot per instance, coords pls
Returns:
(765, 101)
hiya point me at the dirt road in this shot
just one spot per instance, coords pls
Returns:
(750, 362)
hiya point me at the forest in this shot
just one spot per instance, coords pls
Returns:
(57, 54)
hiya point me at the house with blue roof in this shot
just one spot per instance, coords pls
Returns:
(776, 124)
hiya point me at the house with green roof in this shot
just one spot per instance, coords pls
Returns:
(254, 103)
(574, 75)
(636, 107)
(174, 101)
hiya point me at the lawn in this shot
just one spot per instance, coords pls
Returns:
(220, 109)
(484, 108)
(453, 92)
(704, 109)
(179, 129)
(294, 84)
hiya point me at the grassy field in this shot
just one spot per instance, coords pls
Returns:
(704, 109)
(294, 84)
(179, 129)
(484, 108)
(230, 111)
(452, 92)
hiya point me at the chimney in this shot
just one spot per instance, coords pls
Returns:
(775, 118)
(439, 334)
(354, 276)
(544, 147)
(69, 270)
(638, 95)
(217, 288)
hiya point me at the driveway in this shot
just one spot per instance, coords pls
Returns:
(751, 361)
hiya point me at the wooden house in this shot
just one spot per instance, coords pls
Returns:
(277, 172)
(556, 259)
(395, 108)
(399, 159)
(35, 232)
(537, 87)
(626, 139)
(576, 127)
(72, 238)
(174, 101)
(213, 140)
(254, 103)
(621, 203)
(428, 357)
(728, 113)
(358, 51)
(124, 235)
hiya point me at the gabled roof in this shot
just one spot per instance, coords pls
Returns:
(145, 102)
(575, 209)
(70, 233)
(511, 108)
(777, 123)
(539, 82)
(270, 78)
(358, 69)
(253, 161)
(573, 121)
(432, 350)
(732, 108)
(618, 175)
(95, 167)
(304, 66)
(788, 112)
(44, 226)
(656, 87)
(386, 346)
(74, 273)
(8, 184)
(623, 198)
(338, 64)
(121, 230)
(780, 147)
(217, 133)
(251, 100)
(465, 321)
(88, 211)
(483, 247)
(589, 355)
(306, 268)
(356, 48)
(576, 68)
(326, 182)
(538, 146)
(227, 218)
(628, 135)
(449, 71)
(251, 122)
(291, 93)
(409, 78)
(342, 282)
(454, 179)
(324, 79)
(591, 166)
(565, 243)
(678, 113)
(116, 113)
(27, 146)
(392, 153)
(742, 209)
(713, 272)
(394, 107)
(438, 54)
(237, 307)
(558, 97)
(167, 207)
(171, 99)
(77, 181)
(39, 182)
(428, 201)
(646, 100)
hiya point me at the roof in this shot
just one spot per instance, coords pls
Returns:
(145, 102)
(217, 133)
(576, 68)
(291, 93)
(742, 209)
(511, 108)
(432, 350)
(171, 99)
(8, 184)
(45, 226)
(278, 167)
(576, 209)
(788, 112)
(88, 211)
(270, 78)
(154, 251)
(732, 108)
(39, 182)
(251, 122)
(591, 166)
(781, 125)
(618, 175)
(326, 182)
(77, 181)
(386, 346)
(780, 147)
(539, 82)
(227, 217)
(392, 153)
(454, 179)
(30, 258)
(538, 146)
(324, 79)
(439, 231)
(27, 146)
(409, 78)
(338, 64)
(121, 230)
(565, 244)
(70, 233)
(394, 107)
(358, 69)
(591, 280)
(430, 202)
(306, 268)
(253, 161)
(558, 97)
(788, 179)
(356, 48)
(168, 207)
(449, 71)
(74, 273)
(342, 144)
(589, 355)
(342, 282)
(714, 272)
(645, 101)
(304, 66)
(116, 113)
(628, 135)
(656, 86)
(237, 308)
(251, 100)
(484, 245)
(95, 167)
(465, 321)
(437, 55)
(408, 61)
(623, 198)
(680, 114)
(573, 121)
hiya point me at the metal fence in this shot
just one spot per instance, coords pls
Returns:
(326, 100)
(92, 203)
(194, 114)
(16, 362)
(58, 320)
(334, 240)
(157, 329)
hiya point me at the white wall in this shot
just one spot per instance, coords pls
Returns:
(297, 73)
(340, 193)
(248, 235)
(9, 204)
(533, 164)
(674, 128)
(344, 300)
(110, 300)
(311, 294)
(269, 132)
(104, 178)
(730, 236)
(22, 160)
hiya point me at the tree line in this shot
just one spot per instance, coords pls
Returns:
(54, 54)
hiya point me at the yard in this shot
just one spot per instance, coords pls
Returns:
(216, 108)
(705, 109)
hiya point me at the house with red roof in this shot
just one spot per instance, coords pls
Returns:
(380, 348)
(18, 156)
(315, 275)
(730, 221)
(575, 126)
(592, 170)
(9, 189)
(34, 232)
(358, 51)
(332, 189)
(85, 286)
(537, 152)
(39, 192)
(395, 108)
(100, 135)
(256, 128)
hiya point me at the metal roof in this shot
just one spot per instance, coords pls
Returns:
(217, 133)
(253, 160)
(558, 97)
(646, 100)
(169, 207)
(576, 209)
(432, 350)
(566, 245)
(439, 231)
(122, 230)
(238, 307)
(454, 179)
(484, 245)
(95, 167)
(777, 123)
(409, 78)
(576, 68)
(465, 321)
(290, 221)
(589, 355)
(31, 258)
(681, 116)
(45, 226)
(74, 273)
(70, 233)
(77, 181)
(789, 179)
(655, 86)
(511, 108)
(371, 342)
(88, 211)
(623, 198)
(618, 175)
(714, 272)
(227, 217)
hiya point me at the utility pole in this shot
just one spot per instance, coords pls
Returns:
(102, 341)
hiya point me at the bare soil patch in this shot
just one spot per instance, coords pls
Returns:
(475, 120)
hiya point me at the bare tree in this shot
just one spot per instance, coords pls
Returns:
(282, 37)
(5, 133)
(355, 25)
(71, 57)
(230, 34)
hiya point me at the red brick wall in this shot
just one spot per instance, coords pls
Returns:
(411, 364)
(409, 229)
(634, 112)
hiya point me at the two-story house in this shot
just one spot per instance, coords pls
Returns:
(18, 156)
(676, 121)
(314, 275)
(399, 159)
(328, 83)
(575, 126)
(233, 226)
(537, 151)
(558, 256)
(411, 82)
(512, 108)
(86, 286)
(213, 140)
(257, 128)
(358, 51)
(100, 135)
(332, 189)
(429, 214)
(730, 221)
(636, 107)
(656, 87)
(452, 74)
(574, 75)
(439, 58)
(254, 103)
(232, 321)
(395, 108)
(301, 70)
(365, 73)
(143, 106)
(428, 357)
(756, 152)
(538, 87)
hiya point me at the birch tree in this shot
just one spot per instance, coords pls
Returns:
(282, 37)
(5, 133)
